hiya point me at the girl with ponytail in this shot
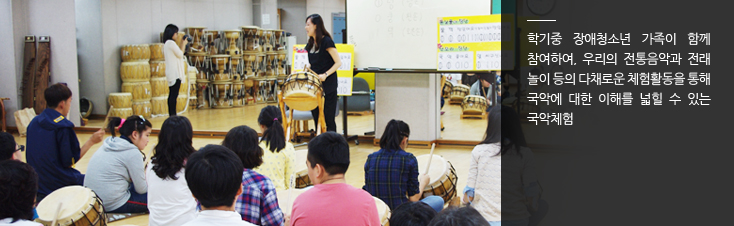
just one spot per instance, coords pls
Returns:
(391, 173)
(116, 171)
(279, 155)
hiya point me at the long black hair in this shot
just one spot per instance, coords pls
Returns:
(169, 32)
(274, 135)
(394, 133)
(242, 140)
(320, 31)
(132, 123)
(512, 135)
(494, 127)
(174, 147)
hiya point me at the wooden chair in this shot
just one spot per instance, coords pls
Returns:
(2, 106)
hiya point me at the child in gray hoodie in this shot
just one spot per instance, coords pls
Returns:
(116, 171)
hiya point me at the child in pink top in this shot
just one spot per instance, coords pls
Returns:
(331, 201)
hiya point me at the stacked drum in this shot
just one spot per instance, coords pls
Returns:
(158, 81)
(235, 67)
(135, 72)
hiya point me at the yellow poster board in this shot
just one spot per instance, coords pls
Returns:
(344, 74)
(473, 43)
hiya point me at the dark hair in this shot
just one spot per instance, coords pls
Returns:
(55, 94)
(242, 140)
(214, 175)
(454, 216)
(412, 214)
(132, 123)
(7, 146)
(174, 146)
(330, 150)
(274, 135)
(489, 77)
(512, 135)
(169, 32)
(393, 135)
(494, 127)
(320, 31)
(18, 187)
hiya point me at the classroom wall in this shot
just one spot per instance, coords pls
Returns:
(293, 17)
(325, 8)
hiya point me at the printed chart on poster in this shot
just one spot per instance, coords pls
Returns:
(344, 73)
(473, 43)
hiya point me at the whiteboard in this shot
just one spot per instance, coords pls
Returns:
(402, 34)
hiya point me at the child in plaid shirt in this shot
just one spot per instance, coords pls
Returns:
(391, 173)
(258, 203)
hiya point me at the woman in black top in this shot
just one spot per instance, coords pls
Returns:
(324, 60)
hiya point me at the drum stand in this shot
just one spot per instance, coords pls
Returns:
(320, 128)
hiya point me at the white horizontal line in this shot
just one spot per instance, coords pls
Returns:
(541, 20)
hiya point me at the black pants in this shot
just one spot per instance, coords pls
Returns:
(172, 95)
(329, 112)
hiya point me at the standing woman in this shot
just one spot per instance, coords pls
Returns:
(324, 60)
(174, 55)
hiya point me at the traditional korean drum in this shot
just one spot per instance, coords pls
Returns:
(132, 53)
(474, 104)
(143, 108)
(140, 90)
(135, 71)
(79, 206)
(121, 100)
(459, 92)
(156, 52)
(159, 106)
(301, 91)
(443, 177)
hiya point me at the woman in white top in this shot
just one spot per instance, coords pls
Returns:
(169, 199)
(488, 182)
(174, 56)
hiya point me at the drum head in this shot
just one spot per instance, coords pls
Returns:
(383, 210)
(75, 202)
(285, 202)
(438, 168)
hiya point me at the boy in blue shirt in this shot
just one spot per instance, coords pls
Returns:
(52, 145)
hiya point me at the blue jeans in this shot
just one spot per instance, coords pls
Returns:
(434, 202)
(138, 203)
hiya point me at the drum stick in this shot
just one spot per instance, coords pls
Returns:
(430, 157)
(56, 214)
(107, 119)
(290, 193)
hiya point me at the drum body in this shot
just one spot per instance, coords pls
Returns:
(156, 52)
(135, 71)
(184, 88)
(447, 88)
(157, 69)
(140, 90)
(383, 210)
(181, 102)
(268, 38)
(250, 67)
(80, 206)
(271, 64)
(143, 108)
(237, 68)
(474, 104)
(220, 67)
(202, 93)
(280, 64)
(120, 100)
(302, 90)
(196, 34)
(252, 36)
(238, 94)
(261, 67)
(302, 179)
(443, 177)
(232, 37)
(212, 42)
(132, 53)
(159, 87)
(459, 92)
(121, 112)
(159, 105)
(220, 93)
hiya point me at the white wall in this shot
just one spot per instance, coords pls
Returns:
(89, 53)
(125, 22)
(325, 8)
(293, 17)
(58, 20)
(10, 83)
